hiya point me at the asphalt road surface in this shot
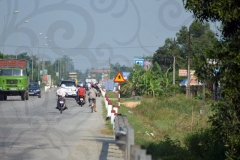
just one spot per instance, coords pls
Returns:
(34, 129)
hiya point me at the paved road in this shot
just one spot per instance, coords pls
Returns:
(34, 129)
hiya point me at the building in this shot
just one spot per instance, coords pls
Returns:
(93, 73)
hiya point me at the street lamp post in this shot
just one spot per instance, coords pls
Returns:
(38, 59)
(17, 36)
(15, 12)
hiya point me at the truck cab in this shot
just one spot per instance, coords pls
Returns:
(13, 78)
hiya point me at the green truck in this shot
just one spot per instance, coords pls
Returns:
(14, 78)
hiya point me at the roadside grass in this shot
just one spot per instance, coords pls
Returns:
(165, 123)
(109, 127)
(112, 94)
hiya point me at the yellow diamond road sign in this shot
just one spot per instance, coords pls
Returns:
(119, 78)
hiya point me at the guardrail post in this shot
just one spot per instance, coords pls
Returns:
(103, 92)
(124, 137)
(109, 108)
(115, 107)
(134, 152)
(112, 116)
(106, 103)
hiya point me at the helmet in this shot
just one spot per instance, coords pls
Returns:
(81, 85)
(63, 85)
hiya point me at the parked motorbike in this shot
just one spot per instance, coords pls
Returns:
(61, 104)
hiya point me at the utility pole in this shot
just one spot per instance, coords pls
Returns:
(32, 67)
(42, 70)
(188, 71)
(174, 62)
(38, 62)
(32, 62)
(109, 68)
(58, 69)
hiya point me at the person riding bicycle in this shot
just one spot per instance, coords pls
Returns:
(92, 96)
(82, 93)
(61, 92)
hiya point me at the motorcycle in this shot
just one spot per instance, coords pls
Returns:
(61, 104)
(86, 88)
(81, 101)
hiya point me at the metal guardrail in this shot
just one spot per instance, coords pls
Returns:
(124, 133)
(124, 137)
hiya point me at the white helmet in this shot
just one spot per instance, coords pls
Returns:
(63, 85)
(81, 85)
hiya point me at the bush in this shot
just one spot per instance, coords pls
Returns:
(168, 149)
(202, 144)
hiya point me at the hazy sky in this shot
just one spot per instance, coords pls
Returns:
(90, 31)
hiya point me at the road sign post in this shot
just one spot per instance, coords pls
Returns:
(119, 78)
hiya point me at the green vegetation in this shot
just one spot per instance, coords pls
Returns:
(111, 94)
(178, 130)
(163, 125)
(225, 123)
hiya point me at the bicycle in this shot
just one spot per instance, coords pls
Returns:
(91, 102)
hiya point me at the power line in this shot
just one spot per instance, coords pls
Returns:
(130, 47)
(87, 59)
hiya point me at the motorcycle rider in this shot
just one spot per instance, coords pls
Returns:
(78, 86)
(97, 88)
(92, 96)
(82, 93)
(61, 92)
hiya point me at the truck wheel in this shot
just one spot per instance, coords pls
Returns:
(4, 97)
(23, 96)
(1, 97)
(26, 95)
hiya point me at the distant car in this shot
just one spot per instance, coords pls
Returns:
(34, 89)
(70, 88)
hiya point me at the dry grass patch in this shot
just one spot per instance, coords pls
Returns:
(107, 131)
(131, 104)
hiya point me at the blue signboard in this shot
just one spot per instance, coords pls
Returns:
(139, 61)
(109, 85)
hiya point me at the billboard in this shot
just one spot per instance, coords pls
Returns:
(193, 78)
(41, 72)
(139, 61)
(109, 85)
(45, 71)
(49, 80)
(147, 64)
(183, 72)
(45, 76)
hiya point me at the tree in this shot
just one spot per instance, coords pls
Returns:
(163, 56)
(224, 11)
(226, 119)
